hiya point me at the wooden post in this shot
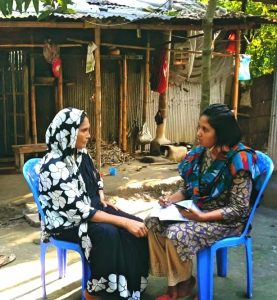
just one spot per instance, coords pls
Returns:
(146, 83)
(33, 101)
(60, 89)
(235, 99)
(124, 106)
(14, 99)
(26, 104)
(146, 86)
(160, 138)
(3, 123)
(98, 125)
(120, 102)
(206, 55)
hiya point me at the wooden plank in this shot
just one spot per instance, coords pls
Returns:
(245, 24)
(37, 45)
(20, 150)
(30, 148)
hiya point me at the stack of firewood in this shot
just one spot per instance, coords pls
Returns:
(111, 154)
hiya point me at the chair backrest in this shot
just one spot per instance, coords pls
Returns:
(266, 167)
(31, 175)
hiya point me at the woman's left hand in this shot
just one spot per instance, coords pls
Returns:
(105, 202)
(192, 214)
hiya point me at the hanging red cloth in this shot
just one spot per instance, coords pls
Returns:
(158, 82)
(231, 46)
(56, 66)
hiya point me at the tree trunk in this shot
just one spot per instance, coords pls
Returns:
(206, 54)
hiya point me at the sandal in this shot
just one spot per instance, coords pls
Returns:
(6, 259)
(164, 297)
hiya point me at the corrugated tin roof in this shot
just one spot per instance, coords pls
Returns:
(135, 10)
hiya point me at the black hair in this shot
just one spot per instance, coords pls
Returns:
(83, 115)
(223, 120)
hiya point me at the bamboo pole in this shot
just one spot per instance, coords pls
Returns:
(146, 87)
(14, 99)
(146, 83)
(3, 123)
(160, 138)
(33, 101)
(148, 48)
(37, 45)
(98, 125)
(120, 102)
(235, 98)
(26, 104)
(124, 106)
(60, 89)
(244, 25)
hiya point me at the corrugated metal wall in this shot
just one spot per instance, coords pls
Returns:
(78, 86)
(183, 101)
(183, 109)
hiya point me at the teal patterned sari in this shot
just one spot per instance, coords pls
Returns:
(203, 187)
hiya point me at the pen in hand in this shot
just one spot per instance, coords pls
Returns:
(164, 201)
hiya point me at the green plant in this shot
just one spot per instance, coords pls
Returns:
(262, 41)
(49, 6)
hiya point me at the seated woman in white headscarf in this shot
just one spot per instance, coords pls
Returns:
(72, 197)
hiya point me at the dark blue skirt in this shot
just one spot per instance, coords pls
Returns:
(118, 260)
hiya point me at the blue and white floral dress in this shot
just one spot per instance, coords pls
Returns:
(69, 194)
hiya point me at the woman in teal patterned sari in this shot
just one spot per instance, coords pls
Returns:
(218, 175)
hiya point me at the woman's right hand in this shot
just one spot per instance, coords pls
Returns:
(165, 201)
(136, 228)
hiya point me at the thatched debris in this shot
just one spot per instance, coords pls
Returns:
(111, 154)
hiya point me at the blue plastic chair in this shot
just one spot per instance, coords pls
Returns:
(31, 175)
(205, 262)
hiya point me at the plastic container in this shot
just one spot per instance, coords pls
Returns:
(112, 171)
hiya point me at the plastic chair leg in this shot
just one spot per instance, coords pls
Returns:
(221, 261)
(85, 274)
(205, 274)
(64, 261)
(248, 250)
(43, 248)
(60, 254)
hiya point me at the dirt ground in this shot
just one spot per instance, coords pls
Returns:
(134, 181)
(135, 187)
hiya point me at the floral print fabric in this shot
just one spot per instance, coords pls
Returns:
(189, 237)
(68, 205)
(62, 192)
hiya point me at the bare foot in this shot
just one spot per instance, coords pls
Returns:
(185, 288)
